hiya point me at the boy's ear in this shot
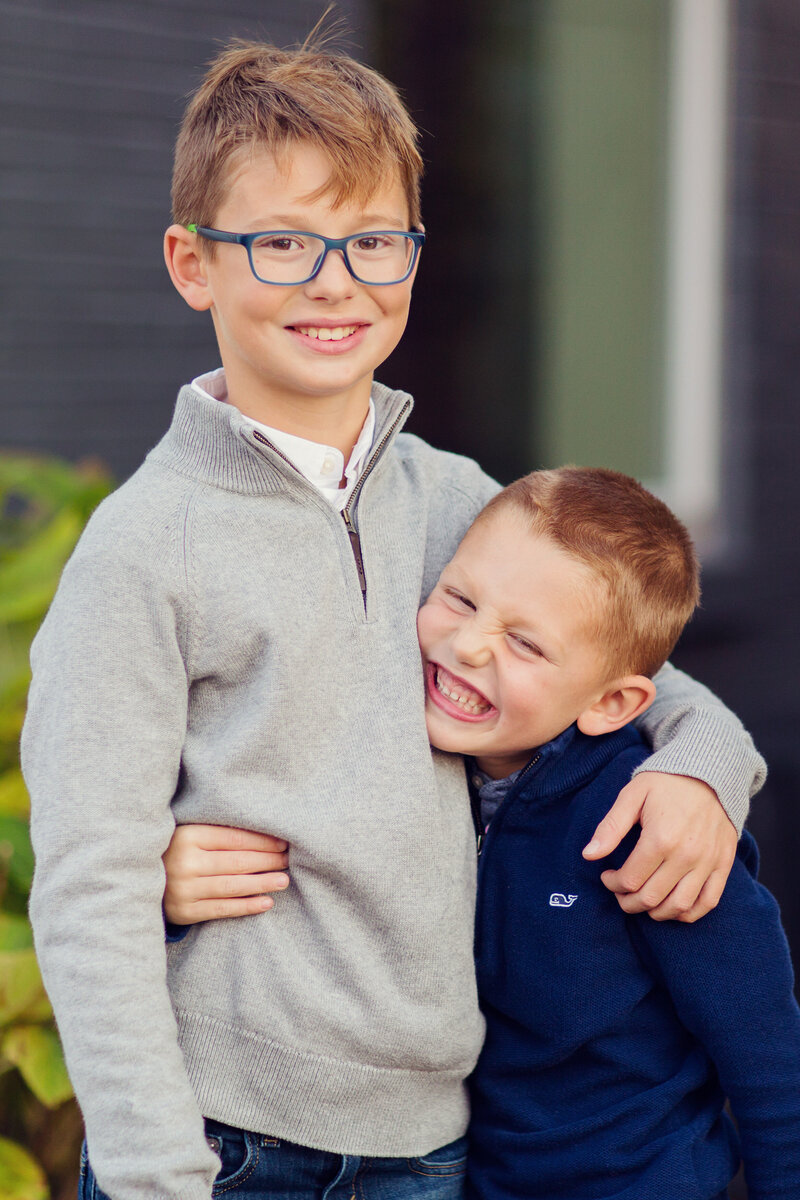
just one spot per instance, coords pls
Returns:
(625, 699)
(186, 267)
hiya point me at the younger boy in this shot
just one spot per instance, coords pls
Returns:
(233, 642)
(612, 1040)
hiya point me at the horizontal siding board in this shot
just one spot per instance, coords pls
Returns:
(183, 24)
(135, 307)
(109, 157)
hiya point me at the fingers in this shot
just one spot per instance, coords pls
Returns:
(709, 897)
(227, 837)
(213, 887)
(667, 894)
(211, 897)
(194, 888)
(694, 896)
(239, 862)
(658, 860)
(242, 906)
(618, 821)
(214, 910)
(639, 894)
(673, 884)
(678, 868)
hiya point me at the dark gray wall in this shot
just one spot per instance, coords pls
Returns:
(94, 340)
(746, 642)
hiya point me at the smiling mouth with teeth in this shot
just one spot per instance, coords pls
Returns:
(324, 333)
(466, 699)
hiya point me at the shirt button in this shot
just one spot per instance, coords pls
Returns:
(328, 465)
(477, 782)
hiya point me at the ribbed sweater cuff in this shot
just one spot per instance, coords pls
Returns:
(720, 757)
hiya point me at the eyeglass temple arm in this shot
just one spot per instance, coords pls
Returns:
(215, 235)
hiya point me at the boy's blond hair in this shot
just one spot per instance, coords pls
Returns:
(256, 95)
(631, 542)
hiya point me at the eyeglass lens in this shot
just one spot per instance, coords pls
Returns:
(293, 257)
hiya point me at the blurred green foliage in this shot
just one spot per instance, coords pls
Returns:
(44, 505)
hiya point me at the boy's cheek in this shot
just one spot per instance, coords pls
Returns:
(426, 627)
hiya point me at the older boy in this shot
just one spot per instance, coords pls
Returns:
(233, 642)
(612, 1040)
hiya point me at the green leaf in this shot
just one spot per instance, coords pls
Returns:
(29, 576)
(22, 992)
(51, 483)
(14, 800)
(15, 645)
(11, 720)
(15, 932)
(16, 852)
(36, 1052)
(21, 1177)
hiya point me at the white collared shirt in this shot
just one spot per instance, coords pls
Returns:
(323, 466)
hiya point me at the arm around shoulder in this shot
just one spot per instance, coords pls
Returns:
(691, 799)
(693, 733)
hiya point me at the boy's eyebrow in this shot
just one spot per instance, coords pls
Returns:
(365, 222)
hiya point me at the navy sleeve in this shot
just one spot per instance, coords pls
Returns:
(730, 978)
(174, 933)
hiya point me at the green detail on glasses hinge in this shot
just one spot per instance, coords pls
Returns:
(192, 228)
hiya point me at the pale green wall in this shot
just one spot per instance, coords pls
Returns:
(601, 69)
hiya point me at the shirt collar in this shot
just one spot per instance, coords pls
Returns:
(323, 466)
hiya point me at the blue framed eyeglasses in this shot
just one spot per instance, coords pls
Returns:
(288, 257)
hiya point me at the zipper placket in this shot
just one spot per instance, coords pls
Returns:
(493, 824)
(266, 442)
(352, 532)
(476, 803)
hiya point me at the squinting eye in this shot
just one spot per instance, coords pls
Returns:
(527, 646)
(458, 599)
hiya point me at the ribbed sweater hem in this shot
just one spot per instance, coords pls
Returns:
(251, 1082)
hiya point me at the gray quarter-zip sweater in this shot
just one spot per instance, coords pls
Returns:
(224, 649)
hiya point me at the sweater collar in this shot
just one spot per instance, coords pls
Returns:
(212, 442)
(570, 760)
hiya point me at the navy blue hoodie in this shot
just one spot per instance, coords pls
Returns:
(612, 1040)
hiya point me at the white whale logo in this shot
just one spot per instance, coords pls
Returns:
(559, 900)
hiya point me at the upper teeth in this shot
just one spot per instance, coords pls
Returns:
(464, 702)
(326, 334)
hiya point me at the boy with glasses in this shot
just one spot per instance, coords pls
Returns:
(233, 643)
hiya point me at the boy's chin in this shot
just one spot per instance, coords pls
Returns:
(452, 740)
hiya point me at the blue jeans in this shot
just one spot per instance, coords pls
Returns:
(257, 1167)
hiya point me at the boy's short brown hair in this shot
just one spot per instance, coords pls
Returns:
(256, 95)
(631, 541)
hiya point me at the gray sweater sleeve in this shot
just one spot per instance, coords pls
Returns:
(101, 754)
(693, 733)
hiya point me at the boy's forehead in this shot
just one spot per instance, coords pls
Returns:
(504, 548)
(300, 174)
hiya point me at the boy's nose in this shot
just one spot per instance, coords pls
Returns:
(470, 645)
(333, 281)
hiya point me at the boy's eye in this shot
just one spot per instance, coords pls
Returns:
(374, 243)
(278, 244)
(458, 599)
(525, 645)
